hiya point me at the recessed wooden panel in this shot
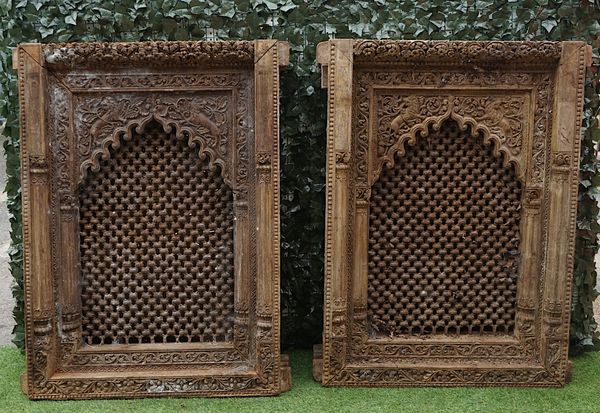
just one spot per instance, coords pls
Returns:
(156, 245)
(151, 218)
(444, 240)
(450, 221)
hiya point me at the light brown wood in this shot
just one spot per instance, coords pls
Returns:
(285, 373)
(453, 268)
(317, 367)
(151, 219)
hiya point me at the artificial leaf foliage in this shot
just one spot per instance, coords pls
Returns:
(303, 113)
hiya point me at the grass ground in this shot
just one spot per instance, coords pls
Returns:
(582, 395)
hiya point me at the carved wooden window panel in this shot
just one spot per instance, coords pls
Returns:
(452, 173)
(151, 218)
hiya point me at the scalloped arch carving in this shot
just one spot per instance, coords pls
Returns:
(201, 120)
(498, 119)
(448, 209)
(166, 223)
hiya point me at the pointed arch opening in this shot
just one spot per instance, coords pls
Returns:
(443, 251)
(156, 244)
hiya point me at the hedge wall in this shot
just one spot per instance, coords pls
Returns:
(303, 111)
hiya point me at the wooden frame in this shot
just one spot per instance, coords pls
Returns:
(121, 87)
(548, 78)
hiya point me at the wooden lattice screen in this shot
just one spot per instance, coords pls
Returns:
(452, 173)
(151, 218)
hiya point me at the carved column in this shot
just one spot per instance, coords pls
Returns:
(564, 163)
(65, 216)
(242, 284)
(242, 226)
(337, 55)
(360, 264)
(36, 223)
(266, 82)
(527, 287)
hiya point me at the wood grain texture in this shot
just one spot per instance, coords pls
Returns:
(409, 283)
(89, 136)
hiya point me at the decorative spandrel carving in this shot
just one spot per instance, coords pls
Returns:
(446, 250)
(402, 118)
(203, 120)
(141, 211)
(411, 110)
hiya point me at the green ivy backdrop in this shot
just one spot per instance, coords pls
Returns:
(303, 24)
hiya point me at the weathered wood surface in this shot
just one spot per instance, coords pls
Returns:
(452, 269)
(129, 304)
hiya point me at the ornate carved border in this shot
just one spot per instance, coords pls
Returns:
(457, 52)
(384, 94)
(75, 105)
(148, 54)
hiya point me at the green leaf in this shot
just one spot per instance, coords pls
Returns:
(228, 11)
(45, 32)
(594, 28)
(288, 6)
(549, 25)
(71, 19)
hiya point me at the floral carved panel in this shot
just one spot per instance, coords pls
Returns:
(450, 203)
(151, 214)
